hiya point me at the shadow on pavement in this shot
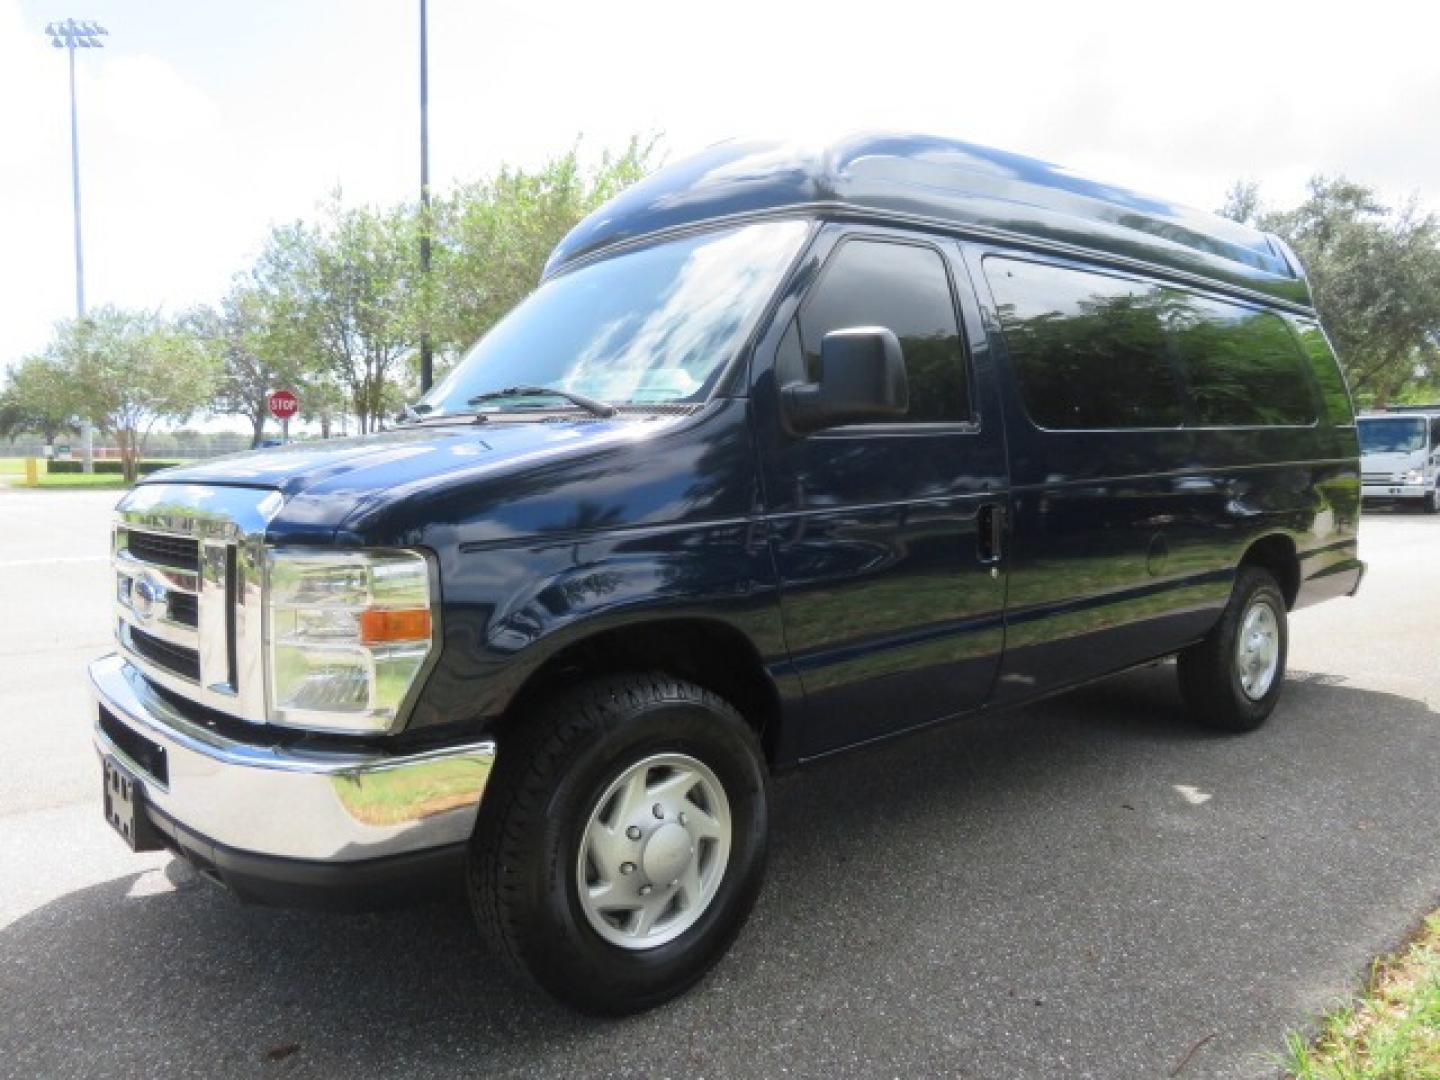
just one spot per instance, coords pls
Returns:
(1029, 894)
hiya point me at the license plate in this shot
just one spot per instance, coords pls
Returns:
(124, 809)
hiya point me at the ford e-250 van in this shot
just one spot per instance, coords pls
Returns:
(789, 452)
(1400, 457)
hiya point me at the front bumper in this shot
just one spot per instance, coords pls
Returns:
(1395, 491)
(267, 815)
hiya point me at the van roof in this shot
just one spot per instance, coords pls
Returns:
(950, 183)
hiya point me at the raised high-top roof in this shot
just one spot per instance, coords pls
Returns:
(948, 183)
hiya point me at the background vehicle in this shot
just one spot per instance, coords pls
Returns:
(1400, 456)
(792, 450)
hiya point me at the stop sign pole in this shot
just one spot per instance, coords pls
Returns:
(283, 405)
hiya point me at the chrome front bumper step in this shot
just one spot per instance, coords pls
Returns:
(337, 806)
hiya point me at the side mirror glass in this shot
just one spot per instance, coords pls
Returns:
(862, 380)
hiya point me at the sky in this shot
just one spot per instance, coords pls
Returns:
(203, 124)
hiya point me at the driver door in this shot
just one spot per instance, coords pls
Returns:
(888, 538)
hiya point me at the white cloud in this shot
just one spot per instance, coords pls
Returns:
(202, 125)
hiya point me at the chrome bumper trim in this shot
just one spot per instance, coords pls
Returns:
(1395, 491)
(287, 803)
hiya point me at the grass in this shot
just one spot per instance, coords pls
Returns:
(12, 472)
(93, 481)
(1392, 1032)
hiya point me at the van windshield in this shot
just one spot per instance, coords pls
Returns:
(1397, 435)
(655, 325)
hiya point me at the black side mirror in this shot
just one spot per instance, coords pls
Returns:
(862, 380)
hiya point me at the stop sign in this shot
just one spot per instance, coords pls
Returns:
(284, 404)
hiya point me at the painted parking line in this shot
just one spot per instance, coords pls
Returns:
(52, 561)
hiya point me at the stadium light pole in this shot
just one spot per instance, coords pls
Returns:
(71, 35)
(427, 359)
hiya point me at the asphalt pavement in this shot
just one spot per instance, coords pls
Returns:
(1086, 888)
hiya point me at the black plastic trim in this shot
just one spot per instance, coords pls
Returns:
(146, 755)
(393, 881)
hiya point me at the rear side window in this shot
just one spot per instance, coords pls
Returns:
(1092, 351)
(905, 288)
(1089, 350)
(1241, 367)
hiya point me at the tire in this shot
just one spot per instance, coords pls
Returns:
(535, 845)
(1431, 505)
(1212, 680)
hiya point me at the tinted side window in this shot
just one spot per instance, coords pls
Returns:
(1241, 366)
(1089, 350)
(1326, 369)
(906, 289)
(1435, 433)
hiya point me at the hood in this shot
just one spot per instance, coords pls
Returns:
(325, 483)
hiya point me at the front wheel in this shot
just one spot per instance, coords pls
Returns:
(1432, 502)
(622, 841)
(1232, 679)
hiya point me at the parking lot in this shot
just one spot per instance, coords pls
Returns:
(1088, 888)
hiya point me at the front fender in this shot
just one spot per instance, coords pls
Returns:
(509, 610)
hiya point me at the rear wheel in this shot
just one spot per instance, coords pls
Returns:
(622, 841)
(1231, 680)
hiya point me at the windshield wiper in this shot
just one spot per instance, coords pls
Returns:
(589, 404)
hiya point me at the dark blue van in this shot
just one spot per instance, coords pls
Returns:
(792, 450)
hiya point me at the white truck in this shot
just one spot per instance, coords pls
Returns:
(1400, 456)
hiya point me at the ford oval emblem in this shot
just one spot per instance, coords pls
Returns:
(145, 594)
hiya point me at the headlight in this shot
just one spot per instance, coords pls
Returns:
(1415, 476)
(348, 634)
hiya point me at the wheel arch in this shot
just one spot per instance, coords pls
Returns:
(1277, 554)
(710, 653)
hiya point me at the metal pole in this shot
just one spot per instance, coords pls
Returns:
(75, 188)
(87, 429)
(427, 364)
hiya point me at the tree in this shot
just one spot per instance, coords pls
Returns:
(344, 294)
(1242, 202)
(40, 397)
(132, 369)
(1375, 274)
(258, 355)
(493, 236)
(322, 401)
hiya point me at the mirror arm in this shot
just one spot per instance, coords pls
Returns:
(798, 407)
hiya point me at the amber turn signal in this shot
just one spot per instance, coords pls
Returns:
(379, 626)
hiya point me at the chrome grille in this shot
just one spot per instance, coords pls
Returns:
(180, 552)
(184, 608)
(188, 562)
(1378, 478)
(182, 661)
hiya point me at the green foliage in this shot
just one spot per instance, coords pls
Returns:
(1391, 1033)
(130, 369)
(106, 466)
(492, 237)
(334, 308)
(344, 291)
(1242, 201)
(1375, 273)
(39, 397)
(248, 331)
